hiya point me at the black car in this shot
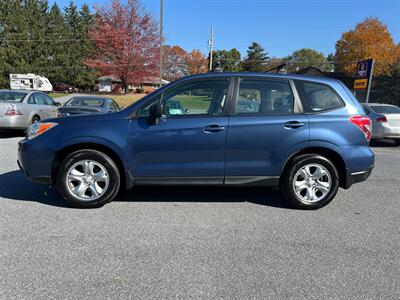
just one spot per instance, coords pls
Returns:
(63, 87)
(88, 104)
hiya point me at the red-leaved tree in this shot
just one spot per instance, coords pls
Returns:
(126, 42)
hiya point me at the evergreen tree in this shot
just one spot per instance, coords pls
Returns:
(256, 59)
(228, 59)
(57, 33)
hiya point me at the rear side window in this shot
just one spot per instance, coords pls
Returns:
(264, 97)
(386, 109)
(317, 97)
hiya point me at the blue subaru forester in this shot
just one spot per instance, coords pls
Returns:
(306, 135)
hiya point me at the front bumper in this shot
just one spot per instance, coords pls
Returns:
(35, 161)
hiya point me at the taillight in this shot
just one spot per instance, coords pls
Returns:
(364, 123)
(382, 119)
(13, 111)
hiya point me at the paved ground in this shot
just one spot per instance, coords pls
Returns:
(64, 99)
(200, 243)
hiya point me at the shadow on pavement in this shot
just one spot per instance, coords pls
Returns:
(14, 186)
(6, 134)
(382, 143)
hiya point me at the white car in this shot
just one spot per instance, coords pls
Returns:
(20, 109)
(385, 121)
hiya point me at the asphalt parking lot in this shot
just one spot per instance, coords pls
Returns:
(205, 243)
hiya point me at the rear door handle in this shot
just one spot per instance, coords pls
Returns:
(293, 124)
(214, 128)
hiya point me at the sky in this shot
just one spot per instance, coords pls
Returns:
(281, 26)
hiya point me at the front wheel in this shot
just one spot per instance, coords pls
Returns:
(88, 178)
(310, 182)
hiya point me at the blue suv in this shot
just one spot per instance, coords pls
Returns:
(308, 136)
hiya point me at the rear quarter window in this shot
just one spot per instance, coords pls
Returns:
(317, 97)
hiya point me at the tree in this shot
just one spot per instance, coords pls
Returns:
(23, 47)
(306, 57)
(174, 63)
(127, 42)
(56, 33)
(256, 58)
(369, 39)
(196, 62)
(228, 59)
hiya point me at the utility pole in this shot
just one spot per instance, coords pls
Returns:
(370, 81)
(211, 45)
(161, 39)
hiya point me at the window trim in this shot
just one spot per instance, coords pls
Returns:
(297, 105)
(343, 103)
(225, 111)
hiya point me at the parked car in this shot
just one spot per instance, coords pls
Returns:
(309, 136)
(88, 104)
(385, 121)
(20, 109)
(63, 87)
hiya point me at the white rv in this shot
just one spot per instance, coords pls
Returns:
(30, 82)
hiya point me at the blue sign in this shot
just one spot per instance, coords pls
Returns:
(364, 69)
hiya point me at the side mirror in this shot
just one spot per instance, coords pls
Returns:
(58, 104)
(155, 112)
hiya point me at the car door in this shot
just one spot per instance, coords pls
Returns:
(266, 126)
(51, 107)
(187, 145)
(37, 106)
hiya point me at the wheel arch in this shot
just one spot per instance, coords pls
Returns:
(126, 178)
(330, 154)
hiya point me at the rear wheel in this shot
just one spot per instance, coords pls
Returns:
(310, 182)
(88, 178)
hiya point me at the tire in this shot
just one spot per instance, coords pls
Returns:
(397, 142)
(316, 190)
(89, 163)
(35, 119)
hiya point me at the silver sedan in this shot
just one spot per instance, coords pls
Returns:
(385, 121)
(19, 109)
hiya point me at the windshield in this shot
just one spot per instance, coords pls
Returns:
(386, 109)
(91, 102)
(11, 96)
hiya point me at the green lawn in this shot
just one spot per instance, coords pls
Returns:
(194, 102)
(56, 95)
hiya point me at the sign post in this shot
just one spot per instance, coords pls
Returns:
(364, 77)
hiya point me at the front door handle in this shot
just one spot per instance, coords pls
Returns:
(293, 124)
(214, 128)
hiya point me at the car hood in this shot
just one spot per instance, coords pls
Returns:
(94, 117)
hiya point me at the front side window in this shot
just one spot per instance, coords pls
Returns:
(265, 97)
(197, 98)
(317, 97)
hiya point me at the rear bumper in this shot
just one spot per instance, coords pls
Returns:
(356, 177)
(385, 132)
(13, 122)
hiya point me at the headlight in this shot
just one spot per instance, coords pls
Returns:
(39, 128)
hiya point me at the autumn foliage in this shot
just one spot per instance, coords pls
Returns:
(370, 39)
(127, 42)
